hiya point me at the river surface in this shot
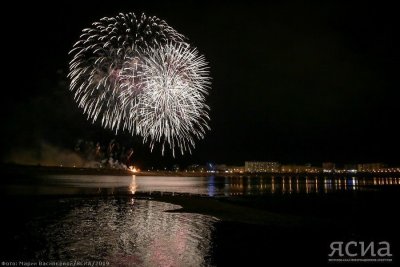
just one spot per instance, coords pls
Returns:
(101, 220)
(209, 186)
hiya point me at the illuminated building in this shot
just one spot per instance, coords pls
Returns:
(370, 167)
(196, 168)
(221, 167)
(328, 166)
(235, 169)
(293, 168)
(352, 168)
(261, 166)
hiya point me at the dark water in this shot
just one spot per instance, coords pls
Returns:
(210, 186)
(100, 218)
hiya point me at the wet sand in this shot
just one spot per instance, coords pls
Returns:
(280, 230)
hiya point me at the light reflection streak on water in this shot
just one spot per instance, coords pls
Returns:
(211, 186)
(307, 185)
(273, 184)
(133, 185)
(126, 231)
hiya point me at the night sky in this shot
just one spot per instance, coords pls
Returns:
(295, 83)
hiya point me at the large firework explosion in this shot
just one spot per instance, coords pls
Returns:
(139, 74)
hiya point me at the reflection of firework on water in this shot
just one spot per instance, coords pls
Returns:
(139, 74)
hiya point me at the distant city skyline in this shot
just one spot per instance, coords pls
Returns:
(277, 167)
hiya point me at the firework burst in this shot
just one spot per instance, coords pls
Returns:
(141, 75)
(171, 108)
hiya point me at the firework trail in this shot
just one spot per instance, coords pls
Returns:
(139, 74)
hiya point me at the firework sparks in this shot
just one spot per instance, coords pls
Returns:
(171, 109)
(141, 75)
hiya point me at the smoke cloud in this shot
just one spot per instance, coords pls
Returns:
(47, 155)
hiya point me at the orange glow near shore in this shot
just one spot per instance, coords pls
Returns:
(134, 169)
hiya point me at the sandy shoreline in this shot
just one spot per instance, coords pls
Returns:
(237, 210)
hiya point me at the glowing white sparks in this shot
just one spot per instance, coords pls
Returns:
(141, 76)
